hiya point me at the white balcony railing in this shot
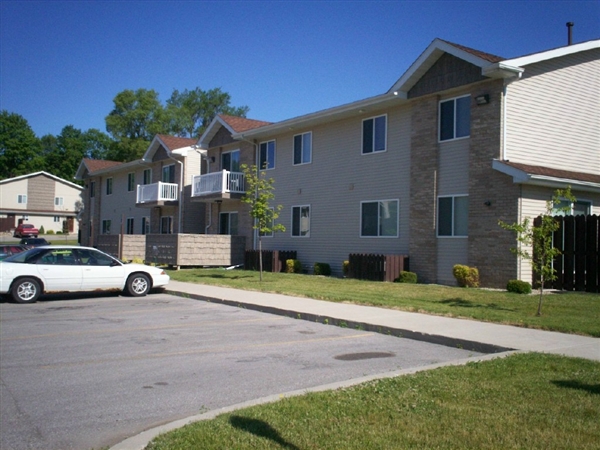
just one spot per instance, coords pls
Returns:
(218, 183)
(157, 192)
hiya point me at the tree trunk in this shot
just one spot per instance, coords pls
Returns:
(539, 311)
(260, 261)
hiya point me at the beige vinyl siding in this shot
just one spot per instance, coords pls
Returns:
(553, 114)
(335, 183)
(72, 197)
(9, 193)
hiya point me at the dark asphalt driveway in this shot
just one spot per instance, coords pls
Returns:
(87, 372)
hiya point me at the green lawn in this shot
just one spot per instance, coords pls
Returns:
(570, 312)
(524, 401)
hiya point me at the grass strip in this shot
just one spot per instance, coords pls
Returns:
(532, 401)
(567, 312)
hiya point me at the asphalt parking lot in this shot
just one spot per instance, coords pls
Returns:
(89, 371)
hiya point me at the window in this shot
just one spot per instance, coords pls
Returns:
(455, 118)
(267, 155)
(145, 225)
(58, 201)
(56, 219)
(230, 161)
(92, 189)
(166, 225)
(374, 134)
(168, 174)
(21, 198)
(578, 208)
(106, 227)
(453, 216)
(147, 176)
(130, 181)
(228, 223)
(109, 182)
(301, 221)
(129, 226)
(379, 218)
(303, 148)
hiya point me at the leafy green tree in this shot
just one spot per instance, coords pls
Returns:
(19, 146)
(97, 143)
(136, 118)
(539, 238)
(190, 112)
(259, 194)
(63, 153)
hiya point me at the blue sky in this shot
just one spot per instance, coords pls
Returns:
(63, 62)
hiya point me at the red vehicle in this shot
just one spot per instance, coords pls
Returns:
(26, 230)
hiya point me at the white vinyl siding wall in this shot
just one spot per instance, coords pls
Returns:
(553, 110)
(336, 183)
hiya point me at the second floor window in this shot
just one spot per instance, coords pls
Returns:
(455, 118)
(147, 176)
(109, 182)
(22, 199)
(374, 134)
(168, 174)
(92, 189)
(230, 161)
(453, 216)
(303, 148)
(130, 181)
(266, 158)
(58, 201)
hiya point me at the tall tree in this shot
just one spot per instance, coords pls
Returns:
(137, 116)
(19, 146)
(190, 112)
(97, 143)
(64, 153)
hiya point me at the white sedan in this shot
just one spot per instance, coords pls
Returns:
(50, 269)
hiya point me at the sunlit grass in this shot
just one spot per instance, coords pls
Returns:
(571, 312)
(525, 401)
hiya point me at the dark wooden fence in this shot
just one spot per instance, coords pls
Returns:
(578, 266)
(376, 267)
(273, 260)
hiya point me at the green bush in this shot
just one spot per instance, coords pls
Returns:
(59, 232)
(293, 266)
(466, 276)
(322, 269)
(42, 230)
(50, 232)
(406, 277)
(518, 286)
(346, 268)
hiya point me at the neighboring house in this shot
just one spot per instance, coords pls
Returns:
(222, 188)
(41, 199)
(150, 195)
(463, 139)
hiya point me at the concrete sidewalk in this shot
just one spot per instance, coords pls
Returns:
(469, 334)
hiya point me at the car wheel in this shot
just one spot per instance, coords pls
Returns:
(25, 290)
(138, 285)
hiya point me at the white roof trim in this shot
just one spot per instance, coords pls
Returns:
(522, 177)
(30, 175)
(212, 130)
(554, 53)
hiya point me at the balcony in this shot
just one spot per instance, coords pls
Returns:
(218, 186)
(157, 194)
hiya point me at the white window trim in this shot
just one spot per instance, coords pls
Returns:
(132, 225)
(397, 219)
(309, 221)
(362, 135)
(302, 149)
(130, 177)
(59, 201)
(162, 176)
(148, 170)
(109, 180)
(228, 213)
(439, 130)
(437, 213)
(22, 199)
(274, 141)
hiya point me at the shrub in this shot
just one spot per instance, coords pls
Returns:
(346, 268)
(322, 269)
(466, 276)
(50, 232)
(42, 230)
(518, 286)
(406, 277)
(293, 266)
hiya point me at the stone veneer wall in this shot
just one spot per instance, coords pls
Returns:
(195, 249)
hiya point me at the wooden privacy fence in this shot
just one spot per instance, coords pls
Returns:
(578, 266)
(273, 260)
(376, 267)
